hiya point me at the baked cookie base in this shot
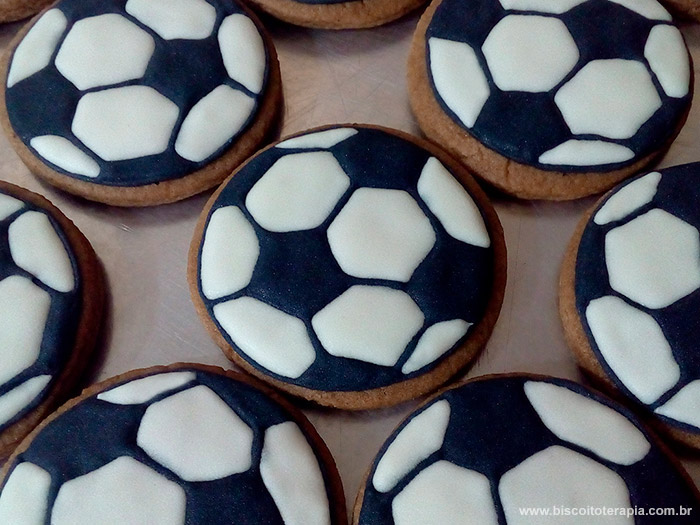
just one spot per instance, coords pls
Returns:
(13, 10)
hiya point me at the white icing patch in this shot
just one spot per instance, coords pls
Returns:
(576, 152)
(195, 434)
(370, 323)
(35, 50)
(634, 347)
(19, 397)
(529, 53)
(37, 248)
(243, 51)
(188, 19)
(298, 192)
(423, 435)
(458, 78)
(436, 341)
(64, 154)
(212, 122)
(291, 474)
(650, 9)
(8, 206)
(586, 423)
(25, 497)
(122, 491)
(445, 493)
(24, 309)
(544, 6)
(684, 406)
(612, 98)
(141, 390)
(270, 337)
(452, 205)
(668, 58)
(654, 259)
(103, 50)
(559, 477)
(321, 139)
(229, 253)
(381, 234)
(628, 199)
(125, 123)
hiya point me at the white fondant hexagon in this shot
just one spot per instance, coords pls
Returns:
(125, 123)
(422, 436)
(187, 19)
(319, 140)
(684, 406)
(445, 493)
(436, 341)
(381, 234)
(543, 6)
(298, 192)
(24, 499)
(458, 78)
(529, 53)
(66, 155)
(229, 253)
(8, 206)
(612, 98)
(24, 309)
(628, 199)
(37, 248)
(650, 9)
(195, 434)
(576, 152)
(243, 51)
(583, 421)
(122, 491)
(212, 122)
(36, 48)
(141, 390)
(14, 401)
(654, 259)
(292, 476)
(103, 50)
(668, 58)
(274, 339)
(560, 477)
(369, 323)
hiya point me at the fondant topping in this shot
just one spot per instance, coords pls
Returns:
(628, 199)
(143, 390)
(14, 401)
(23, 499)
(63, 153)
(188, 19)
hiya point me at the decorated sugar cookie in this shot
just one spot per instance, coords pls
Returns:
(630, 294)
(487, 450)
(50, 309)
(550, 99)
(184, 444)
(139, 102)
(354, 266)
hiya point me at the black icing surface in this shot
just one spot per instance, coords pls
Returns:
(95, 432)
(61, 324)
(493, 428)
(678, 193)
(522, 126)
(297, 273)
(182, 70)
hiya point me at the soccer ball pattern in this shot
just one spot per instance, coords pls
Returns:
(637, 291)
(140, 91)
(584, 85)
(39, 305)
(175, 447)
(480, 452)
(345, 259)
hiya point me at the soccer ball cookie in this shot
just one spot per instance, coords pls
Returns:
(487, 450)
(51, 299)
(550, 99)
(630, 296)
(184, 444)
(139, 102)
(354, 266)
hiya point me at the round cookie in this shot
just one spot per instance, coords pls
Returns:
(51, 302)
(348, 266)
(630, 295)
(13, 10)
(151, 101)
(486, 450)
(173, 445)
(550, 101)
